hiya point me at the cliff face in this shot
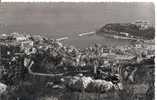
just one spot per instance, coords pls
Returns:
(133, 29)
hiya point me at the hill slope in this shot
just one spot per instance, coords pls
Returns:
(145, 32)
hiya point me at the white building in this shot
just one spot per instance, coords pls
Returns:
(18, 37)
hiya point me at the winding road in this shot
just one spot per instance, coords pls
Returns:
(40, 74)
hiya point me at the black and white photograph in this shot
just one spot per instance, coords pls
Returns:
(77, 51)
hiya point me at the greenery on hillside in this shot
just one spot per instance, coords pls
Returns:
(132, 29)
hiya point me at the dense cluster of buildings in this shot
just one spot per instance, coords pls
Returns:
(142, 24)
(98, 62)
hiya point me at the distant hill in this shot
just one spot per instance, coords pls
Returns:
(133, 29)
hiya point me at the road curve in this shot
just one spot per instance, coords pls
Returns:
(40, 74)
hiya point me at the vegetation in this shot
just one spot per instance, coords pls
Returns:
(132, 29)
(51, 57)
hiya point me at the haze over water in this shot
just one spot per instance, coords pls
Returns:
(56, 20)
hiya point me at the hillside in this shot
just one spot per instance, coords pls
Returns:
(140, 30)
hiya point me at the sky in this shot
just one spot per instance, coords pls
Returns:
(59, 19)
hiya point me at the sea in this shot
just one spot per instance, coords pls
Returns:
(57, 20)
